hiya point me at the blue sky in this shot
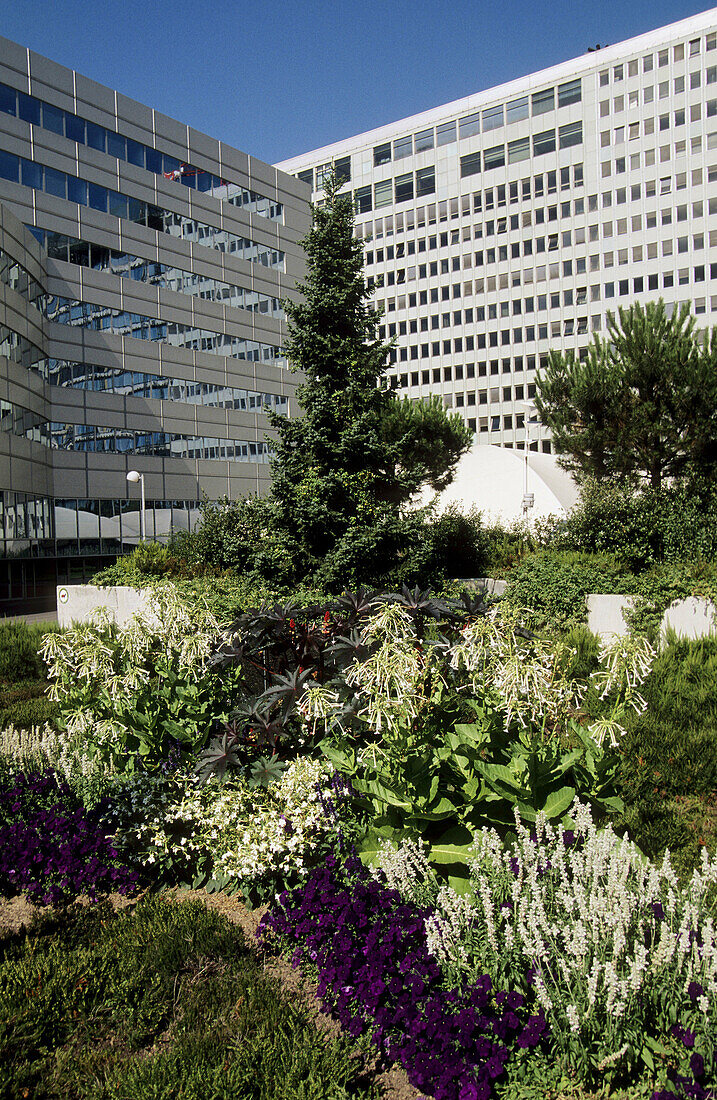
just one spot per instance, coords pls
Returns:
(279, 78)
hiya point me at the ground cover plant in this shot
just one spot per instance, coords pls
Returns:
(158, 1001)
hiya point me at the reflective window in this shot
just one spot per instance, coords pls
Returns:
(403, 147)
(517, 109)
(404, 187)
(424, 140)
(570, 92)
(471, 164)
(543, 101)
(518, 150)
(544, 143)
(492, 118)
(383, 193)
(469, 125)
(28, 108)
(426, 181)
(362, 199)
(572, 134)
(382, 154)
(494, 158)
(446, 133)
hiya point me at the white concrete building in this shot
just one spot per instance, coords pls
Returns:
(508, 223)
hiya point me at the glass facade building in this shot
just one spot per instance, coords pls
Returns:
(509, 223)
(142, 270)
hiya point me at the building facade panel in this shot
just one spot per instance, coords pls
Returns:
(145, 267)
(503, 225)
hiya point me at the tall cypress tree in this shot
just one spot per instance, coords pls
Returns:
(352, 459)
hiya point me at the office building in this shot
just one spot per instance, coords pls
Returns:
(142, 268)
(510, 222)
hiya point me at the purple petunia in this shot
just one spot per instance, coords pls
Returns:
(377, 977)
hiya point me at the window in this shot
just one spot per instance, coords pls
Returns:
(383, 193)
(307, 176)
(571, 92)
(492, 118)
(426, 181)
(342, 167)
(403, 147)
(544, 143)
(494, 157)
(469, 125)
(572, 134)
(362, 199)
(516, 109)
(518, 150)
(543, 101)
(404, 187)
(470, 164)
(424, 140)
(382, 154)
(446, 133)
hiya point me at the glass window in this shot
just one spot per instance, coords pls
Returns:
(470, 164)
(518, 150)
(446, 133)
(342, 167)
(404, 187)
(362, 199)
(492, 118)
(117, 204)
(74, 128)
(469, 125)
(96, 136)
(571, 92)
(494, 157)
(53, 119)
(97, 197)
(403, 147)
(424, 140)
(135, 153)
(153, 159)
(383, 193)
(116, 145)
(382, 154)
(307, 176)
(572, 134)
(516, 109)
(543, 101)
(544, 143)
(28, 108)
(9, 167)
(55, 183)
(77, 190)
(31, 174)
(8, 100)
(426, 181)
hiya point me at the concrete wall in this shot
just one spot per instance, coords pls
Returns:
(76, 602)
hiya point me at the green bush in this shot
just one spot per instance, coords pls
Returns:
(19, 651)
(669, 753)
(642, 527)
(459, 545)
(657, 588)
(551, 586)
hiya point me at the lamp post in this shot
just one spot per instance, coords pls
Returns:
(134, 476)
(528, 498)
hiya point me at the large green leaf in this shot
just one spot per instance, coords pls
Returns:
(558, 802)
(455, 846)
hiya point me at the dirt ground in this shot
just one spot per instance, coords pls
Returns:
(17, 912)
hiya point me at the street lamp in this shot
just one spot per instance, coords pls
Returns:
(134, 476)
(528, 498)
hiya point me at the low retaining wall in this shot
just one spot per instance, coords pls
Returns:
(605, 615)
(76, 602)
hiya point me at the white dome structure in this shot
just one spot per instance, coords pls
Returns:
(492, 479)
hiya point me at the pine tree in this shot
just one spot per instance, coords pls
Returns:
(346, 466)
(642, 405)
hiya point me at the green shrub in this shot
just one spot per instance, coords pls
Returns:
(459, 545)
(669, 754)
(657, 588)
(552, 585)
(642, 527)
(19, 650)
